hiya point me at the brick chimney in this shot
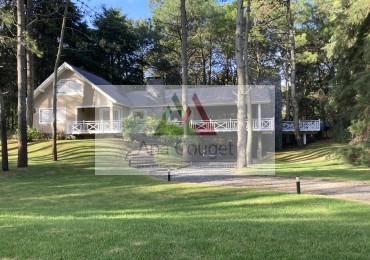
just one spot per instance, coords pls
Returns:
(155, 90)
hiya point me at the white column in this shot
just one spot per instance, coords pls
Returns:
(304, 138)
(259, 152)
(111, 117)
(168, 114)
(259, 117)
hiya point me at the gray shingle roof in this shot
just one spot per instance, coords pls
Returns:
(118, 93)
(92, 77)
(260, 94)
(207, 95)
(138, 98)
(115, 92)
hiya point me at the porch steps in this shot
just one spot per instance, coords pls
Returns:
(219, 165)
(141, 159)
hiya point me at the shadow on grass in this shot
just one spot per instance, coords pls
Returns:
(62, 210)
(318, 160)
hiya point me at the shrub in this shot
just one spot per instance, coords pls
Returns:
(169, 129)
(171, 133)
(33, 134)
(341, 135)
(70, 137)
(356, 154)
(61, 136)
(132, 124)
(151, 124)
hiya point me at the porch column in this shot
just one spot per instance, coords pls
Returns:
(259, 151)
(304, 138)
(111, 118)
(168, 114)
(259, 117)
(287, 138)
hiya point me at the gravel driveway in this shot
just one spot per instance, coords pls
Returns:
(352, 190)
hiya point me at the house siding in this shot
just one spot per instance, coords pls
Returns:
(89, 98)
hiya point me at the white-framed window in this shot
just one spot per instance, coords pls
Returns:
(106, 115)
(69, 87)
(116, 114)
(46, 115)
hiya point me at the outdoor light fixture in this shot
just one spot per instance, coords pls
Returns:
(298, 184)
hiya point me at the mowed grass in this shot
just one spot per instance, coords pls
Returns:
(318, 160)
(62, 210)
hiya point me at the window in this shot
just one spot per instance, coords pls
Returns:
(106, 115)
(46, 115)
(116, 116)
(69, 87)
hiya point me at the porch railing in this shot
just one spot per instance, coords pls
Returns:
(304, 126)
(95, 127)
(219, 125)
(230, 125)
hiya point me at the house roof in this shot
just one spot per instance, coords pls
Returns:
(139, 98)
(98, 83)
(96, 80)
(118, 93)
(207, 95)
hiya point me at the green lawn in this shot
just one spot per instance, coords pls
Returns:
(62, 210)
(318, 160)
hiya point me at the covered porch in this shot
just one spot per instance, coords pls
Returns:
(96, 120)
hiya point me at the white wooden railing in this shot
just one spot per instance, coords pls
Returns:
(304, 126)
(94, 127)
(230, 125)
(220, 125)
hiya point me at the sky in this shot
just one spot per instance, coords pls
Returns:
(134, 9)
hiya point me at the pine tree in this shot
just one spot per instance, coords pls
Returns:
(22, 87)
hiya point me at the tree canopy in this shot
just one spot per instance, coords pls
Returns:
(332, 45)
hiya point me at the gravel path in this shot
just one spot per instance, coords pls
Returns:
(351, 190)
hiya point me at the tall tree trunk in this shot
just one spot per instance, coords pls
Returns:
(226, 70)
(210, 63)
(30, 65)
(248, 92)
(184, 63)
(14, 122)
(204, 69)
(258, 55)
(287, 90)
(241, 101)
(258, 61)
(4, 141)
(55, 151)
(22, 87)
(293, 75)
